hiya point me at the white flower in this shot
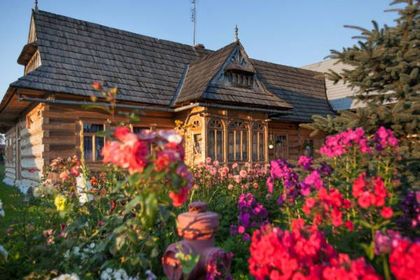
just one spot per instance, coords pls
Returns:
(3, 252)
(1, 209)
(150, 275)
(72, 276)
(83, 186)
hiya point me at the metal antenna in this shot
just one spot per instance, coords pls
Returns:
(194, 19)
(36, 6)
(236, 33)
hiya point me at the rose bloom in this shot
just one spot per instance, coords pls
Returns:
(243, 173)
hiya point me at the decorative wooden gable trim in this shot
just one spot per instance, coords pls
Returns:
(30, 56)
(237, 71)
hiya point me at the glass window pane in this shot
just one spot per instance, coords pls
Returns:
(245, 145)
(254, 146)
(92, 128)
(137, 129)
(211, 144)
(219, 154)
(237, 145)
(87, 147)
(261, 146)
(98, 146)
(230, 146)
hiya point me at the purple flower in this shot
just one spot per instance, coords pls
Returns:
(384, 242)
(411, 210)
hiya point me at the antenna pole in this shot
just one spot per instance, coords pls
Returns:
(194, 19)
(36, 6)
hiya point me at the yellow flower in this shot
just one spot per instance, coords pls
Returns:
(60, 202)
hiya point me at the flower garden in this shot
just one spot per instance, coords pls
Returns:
(343, 215)
(350, 212)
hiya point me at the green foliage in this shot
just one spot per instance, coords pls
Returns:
(21, 233)
(385, 74)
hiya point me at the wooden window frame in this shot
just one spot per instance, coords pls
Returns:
(93, 135)
(258, 129)
(215, 128)
(239, 129)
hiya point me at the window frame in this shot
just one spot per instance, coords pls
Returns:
(258, 130)
(83, 134)
(239, 129)
(216, 126)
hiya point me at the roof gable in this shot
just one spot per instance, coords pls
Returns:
(207, 80)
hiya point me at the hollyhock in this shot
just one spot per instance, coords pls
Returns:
(404, 260)
(243, 173)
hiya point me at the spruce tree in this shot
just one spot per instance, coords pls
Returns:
(385, 75)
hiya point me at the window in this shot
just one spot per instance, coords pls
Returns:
(240, 79)
(258, 143)
(238, 141)
(279, 146)
(308, 146)
(92, 143)
(215, 137)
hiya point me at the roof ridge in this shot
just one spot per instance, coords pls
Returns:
(132, 33)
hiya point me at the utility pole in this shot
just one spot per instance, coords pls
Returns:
(194, 19)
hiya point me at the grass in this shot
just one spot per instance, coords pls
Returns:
(21, 230)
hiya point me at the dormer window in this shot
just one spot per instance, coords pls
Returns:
(240, 79)
(239, 72)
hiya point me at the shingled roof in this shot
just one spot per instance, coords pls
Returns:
(147, 70)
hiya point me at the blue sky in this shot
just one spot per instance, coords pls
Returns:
(288, 32)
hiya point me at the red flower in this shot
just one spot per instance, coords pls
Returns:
(97, 85)
(364, 200)
(387, 212)
(303, 253)
(179, 198)
(404, 260)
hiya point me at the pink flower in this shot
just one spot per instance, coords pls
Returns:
(230, 187)
(305, 162)
(243, 173)
(208, 160)
(234, 165)
(64, 175)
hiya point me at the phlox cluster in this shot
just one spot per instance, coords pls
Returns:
(339, 144)
(302, 253)
(327, 206)
(371, 193)
(282, 170)
(404, 260)
(251, 215)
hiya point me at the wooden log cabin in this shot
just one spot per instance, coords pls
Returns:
(237, 109)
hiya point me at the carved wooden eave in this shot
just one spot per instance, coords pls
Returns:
(27, 53)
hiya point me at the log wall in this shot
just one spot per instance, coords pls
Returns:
(24, 150)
